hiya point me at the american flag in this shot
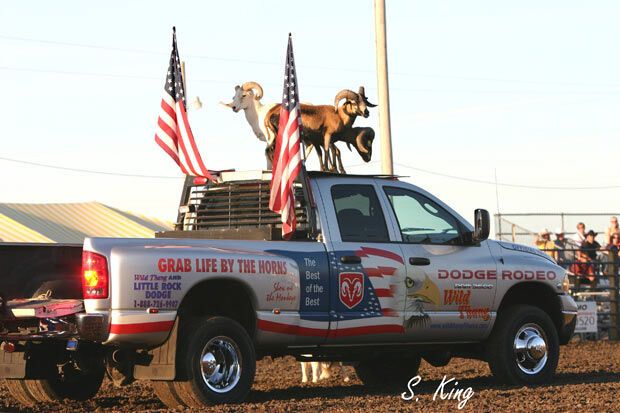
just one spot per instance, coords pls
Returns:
(173, 131)
(287, 156)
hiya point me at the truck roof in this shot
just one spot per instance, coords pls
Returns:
(320, 174)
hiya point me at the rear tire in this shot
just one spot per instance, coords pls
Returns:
(164, 390)
(387, 372)
(74, 384)
(216, 363)
(19, 391)
(524, 346)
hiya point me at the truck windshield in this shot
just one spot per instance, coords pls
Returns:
(421, 220)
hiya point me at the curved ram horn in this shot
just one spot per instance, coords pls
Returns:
(359, 144)
(345, 94)
(362, 93)
(258, 90)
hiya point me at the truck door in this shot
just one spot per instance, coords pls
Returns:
(367, 269)
(450, 281)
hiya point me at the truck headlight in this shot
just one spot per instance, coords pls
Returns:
(565, 283)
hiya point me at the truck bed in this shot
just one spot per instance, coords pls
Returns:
(28, 270)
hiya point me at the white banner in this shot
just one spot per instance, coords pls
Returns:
(586, 317)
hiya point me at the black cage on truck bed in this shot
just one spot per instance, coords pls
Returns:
(235, 209)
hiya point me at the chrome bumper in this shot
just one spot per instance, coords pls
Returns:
(569, 318)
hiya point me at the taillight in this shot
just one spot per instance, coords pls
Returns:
(95, 275)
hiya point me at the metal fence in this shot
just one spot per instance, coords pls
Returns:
(594, 281)
(523, 227)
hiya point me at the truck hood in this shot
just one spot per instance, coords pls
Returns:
(524, 248)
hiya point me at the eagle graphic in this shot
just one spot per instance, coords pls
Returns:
(419, 293)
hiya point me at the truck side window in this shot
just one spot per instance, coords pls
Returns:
(359, 214)
(421, 220)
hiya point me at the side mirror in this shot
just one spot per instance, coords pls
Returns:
(482, 225)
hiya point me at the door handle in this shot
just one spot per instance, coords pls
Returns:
(350, 259)
(419, 261)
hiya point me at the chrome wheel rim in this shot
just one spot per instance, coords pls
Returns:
(530, 349)
(220, 364)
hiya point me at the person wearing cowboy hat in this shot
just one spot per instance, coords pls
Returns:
(589, 246)
(588, 256)
(562, 244)
(544, 243)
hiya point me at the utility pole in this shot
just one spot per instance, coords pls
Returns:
(183, 74)
(387, 167)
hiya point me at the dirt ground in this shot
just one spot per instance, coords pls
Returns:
(588, 379)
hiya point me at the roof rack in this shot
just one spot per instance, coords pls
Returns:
(234, 175)
(337, 175)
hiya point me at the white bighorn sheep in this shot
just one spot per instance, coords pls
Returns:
(247, 98)
(321, 371)
(321, 123)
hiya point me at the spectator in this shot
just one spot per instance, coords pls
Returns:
(562, 244)
(613, 249)
(587, 257)
(611, 230)
(580, 235)
(589, 246)
(544, 243)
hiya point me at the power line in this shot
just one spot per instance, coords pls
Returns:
(74, 73)
(88, 171)
(229, 82)
(481, 181)
(318, 67)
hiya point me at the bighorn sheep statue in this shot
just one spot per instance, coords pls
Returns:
(324, 124)
(247, 98)
(361, 138)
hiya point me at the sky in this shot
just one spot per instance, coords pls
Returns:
(519, 93)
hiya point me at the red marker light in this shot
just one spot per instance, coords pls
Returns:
(199, 180)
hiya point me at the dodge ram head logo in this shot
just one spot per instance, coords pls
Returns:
(351, 288)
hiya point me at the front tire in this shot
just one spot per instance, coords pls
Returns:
(217, 364)
(524, 346)
(376, 373)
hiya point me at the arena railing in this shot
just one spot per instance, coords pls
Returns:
(595, 280)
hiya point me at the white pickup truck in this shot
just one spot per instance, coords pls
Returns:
(380, 274)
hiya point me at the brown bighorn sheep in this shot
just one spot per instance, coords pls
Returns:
(361, 138)
(321, 122)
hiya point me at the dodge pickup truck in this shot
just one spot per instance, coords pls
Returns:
(379, 274)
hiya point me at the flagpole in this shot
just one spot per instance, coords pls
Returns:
(184, 81)
(387, 167)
